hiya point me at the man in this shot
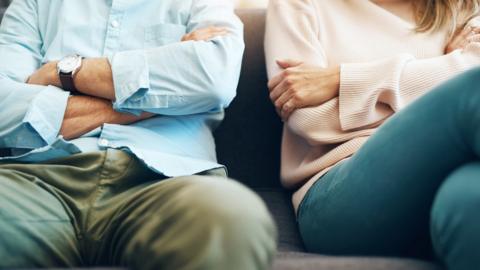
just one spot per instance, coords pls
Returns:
(107, 109)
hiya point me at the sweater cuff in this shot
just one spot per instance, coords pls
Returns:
(361, 85)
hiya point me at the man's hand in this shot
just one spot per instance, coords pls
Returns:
(300, 86)
(462, 38)
(205, 34)
(46, 75)
(84, 114)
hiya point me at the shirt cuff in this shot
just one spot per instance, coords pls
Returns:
(46, 113)
(131, 78)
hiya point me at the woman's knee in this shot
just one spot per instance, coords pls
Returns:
(465, 86)
(455, 220)
(459, 196)
(473, 76)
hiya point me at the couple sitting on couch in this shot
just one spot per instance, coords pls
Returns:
(108, 109)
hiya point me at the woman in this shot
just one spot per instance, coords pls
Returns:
(338, 71)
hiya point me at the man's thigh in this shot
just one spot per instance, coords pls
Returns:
(193, 222)
(35, 229)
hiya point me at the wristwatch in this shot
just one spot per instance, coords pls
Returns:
(67, 68)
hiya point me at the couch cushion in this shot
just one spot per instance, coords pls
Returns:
(3, 6)
(2, 11)
(248, 141)
(280, 206)
(292, 252)
(303, 261)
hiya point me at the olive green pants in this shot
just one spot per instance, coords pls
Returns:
(107, 208)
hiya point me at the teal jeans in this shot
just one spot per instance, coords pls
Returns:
(418, 175)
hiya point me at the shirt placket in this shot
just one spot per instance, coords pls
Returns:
(115, 24)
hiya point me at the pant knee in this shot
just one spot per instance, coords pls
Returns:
(473, 75)
(455, 220)
(238, 222)
(227, 201)
(212, 223)
(459, 196)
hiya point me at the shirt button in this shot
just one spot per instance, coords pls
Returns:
(115, 24)
(103, 142)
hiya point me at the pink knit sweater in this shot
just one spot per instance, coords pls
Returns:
(385, 65)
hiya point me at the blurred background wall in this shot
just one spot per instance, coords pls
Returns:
(251, 3)
(239, 3)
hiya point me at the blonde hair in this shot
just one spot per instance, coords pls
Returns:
(433, 15)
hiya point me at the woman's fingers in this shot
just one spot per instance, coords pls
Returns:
(281, 88)
(467, 31)
(288, 63)
(275, 81)
(463, 38)
(474, 30)
(287, 109)
(281, 94)
(280, 102)
(474, 38)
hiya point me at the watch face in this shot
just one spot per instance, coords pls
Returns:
(69, 64)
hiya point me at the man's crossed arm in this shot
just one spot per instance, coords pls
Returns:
(184, 78)
(94, 81)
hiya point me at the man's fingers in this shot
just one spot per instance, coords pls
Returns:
(288, 63)
(215, 28)
(210, 29)
(205, 33)
(204, 36)
(213, 34)
(219, 33)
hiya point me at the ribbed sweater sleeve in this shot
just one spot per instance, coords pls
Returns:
(371, 92)
(292, 33)
(385, 66)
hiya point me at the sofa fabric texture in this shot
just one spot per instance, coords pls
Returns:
(248, 142)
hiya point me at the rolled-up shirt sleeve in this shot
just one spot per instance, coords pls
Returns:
(31, 115)
(183, 78)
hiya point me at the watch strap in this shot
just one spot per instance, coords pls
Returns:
(67, 82)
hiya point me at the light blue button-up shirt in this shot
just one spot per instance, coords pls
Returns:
(187, 84)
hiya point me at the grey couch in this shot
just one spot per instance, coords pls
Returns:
(248, 142)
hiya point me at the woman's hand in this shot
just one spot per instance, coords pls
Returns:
(205, 34)
(462, 38)
(300, 86)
